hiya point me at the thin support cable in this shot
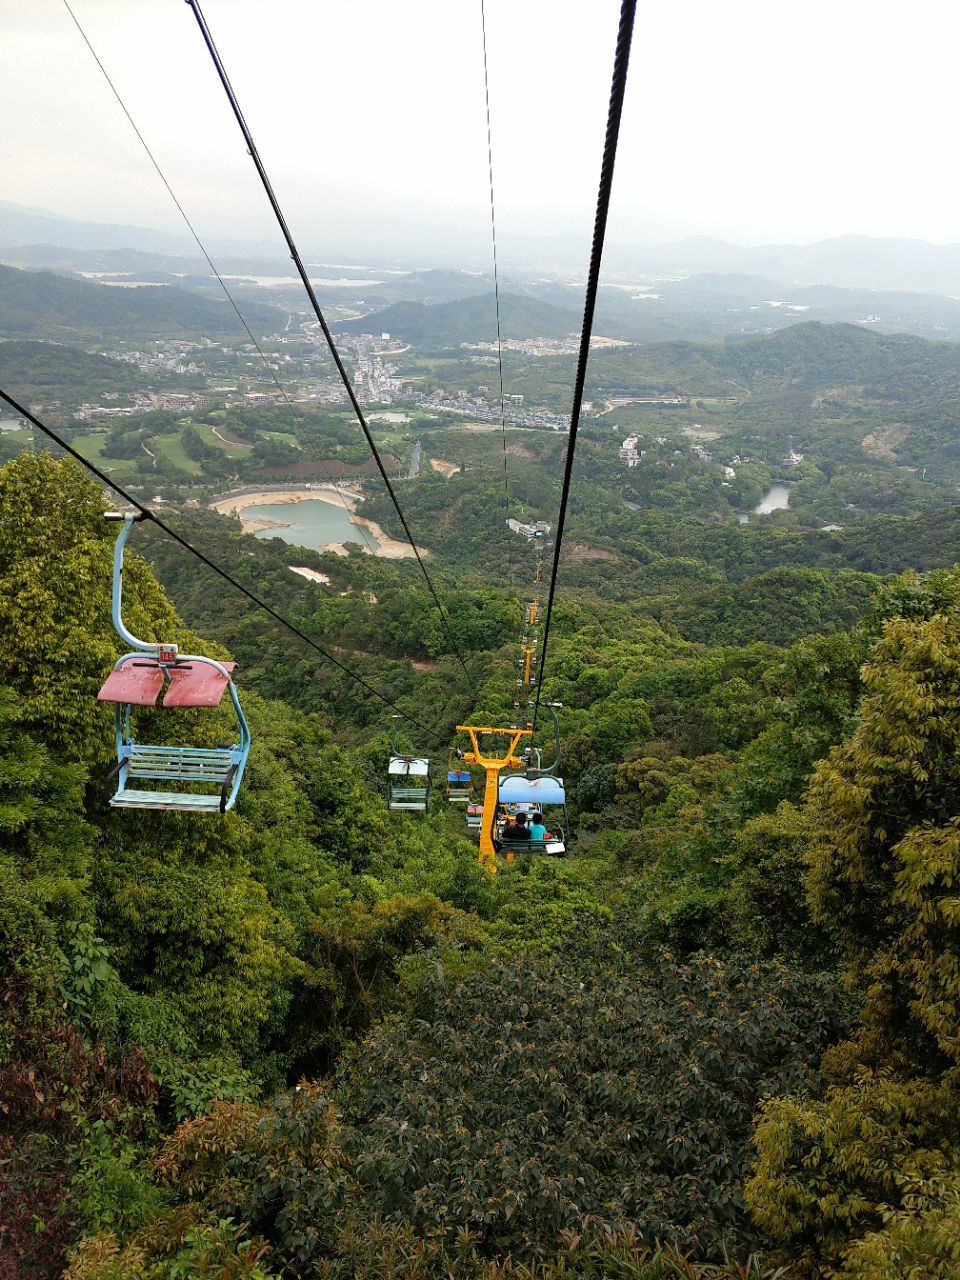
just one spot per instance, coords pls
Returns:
(496, 275)
(368, 539)
(302, 272)
(618, 88)
(204, 559)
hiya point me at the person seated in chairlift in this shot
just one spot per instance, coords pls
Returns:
(537, 830)
(517, 829)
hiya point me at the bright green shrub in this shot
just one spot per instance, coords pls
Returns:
(919, 1242)
(828, 1169)
(838, 1178)
(192, 1248)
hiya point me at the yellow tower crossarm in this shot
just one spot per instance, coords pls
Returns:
(492, 766)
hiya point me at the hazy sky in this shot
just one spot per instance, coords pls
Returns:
(754, 120)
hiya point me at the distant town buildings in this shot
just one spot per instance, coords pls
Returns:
(535, 529)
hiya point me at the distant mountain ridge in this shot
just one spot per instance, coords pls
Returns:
(42, 304)
(849, 261)
(21, 225)
(802, 357)
(469, 320)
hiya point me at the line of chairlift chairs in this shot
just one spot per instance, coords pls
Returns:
(531, 790)
(206, 779)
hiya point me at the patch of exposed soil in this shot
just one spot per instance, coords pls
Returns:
(447, 469)
(882, 443)
(580, 551)
(851, 394)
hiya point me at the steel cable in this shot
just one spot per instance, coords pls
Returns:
(204, 559)
(617, 90)
(302, 272)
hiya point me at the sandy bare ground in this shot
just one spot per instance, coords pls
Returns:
(447, 469)
(387, 547)
(313, 574)
(580, 551)
(882, 443)
(237, 502)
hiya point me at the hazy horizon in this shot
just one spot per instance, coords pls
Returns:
(744, 124)
(265, 243)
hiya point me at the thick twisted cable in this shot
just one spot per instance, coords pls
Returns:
(617, 91)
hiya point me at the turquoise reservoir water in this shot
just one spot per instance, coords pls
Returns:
(311, 523)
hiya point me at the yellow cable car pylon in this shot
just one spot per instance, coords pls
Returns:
(492, 766)
(509, 760)
(528, 642)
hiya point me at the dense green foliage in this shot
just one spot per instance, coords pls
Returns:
(866, 1177)
(314, 1038)
(41, 303)
(43, 370)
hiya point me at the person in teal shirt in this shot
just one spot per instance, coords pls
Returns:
(537, 830)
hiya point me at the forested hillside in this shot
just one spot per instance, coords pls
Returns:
(44, 369)
(468, 320)
(314, 1038)
(43, 304)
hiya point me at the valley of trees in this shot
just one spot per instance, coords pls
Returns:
(314, 1038)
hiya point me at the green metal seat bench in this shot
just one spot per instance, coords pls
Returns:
(212, 766)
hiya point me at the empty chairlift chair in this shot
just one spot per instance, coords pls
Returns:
(202, 779)
(409, 783)
(408, 780)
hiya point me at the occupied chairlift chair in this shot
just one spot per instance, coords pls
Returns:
(535, 795)
(536, 791)
(408, 779)
(186, 680)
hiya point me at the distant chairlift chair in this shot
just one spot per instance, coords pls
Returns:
(208, 777)
(459, 783)
(404, 771)
(474, 818)
(408, 780)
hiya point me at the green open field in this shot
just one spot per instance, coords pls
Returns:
(170, 447)
(285, 437)
(91, 446)
(208, 436)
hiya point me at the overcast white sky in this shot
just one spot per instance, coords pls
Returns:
(754, 120)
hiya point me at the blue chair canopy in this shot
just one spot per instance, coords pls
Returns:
(516, 789)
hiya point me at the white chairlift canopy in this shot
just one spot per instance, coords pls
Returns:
(409, 767)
